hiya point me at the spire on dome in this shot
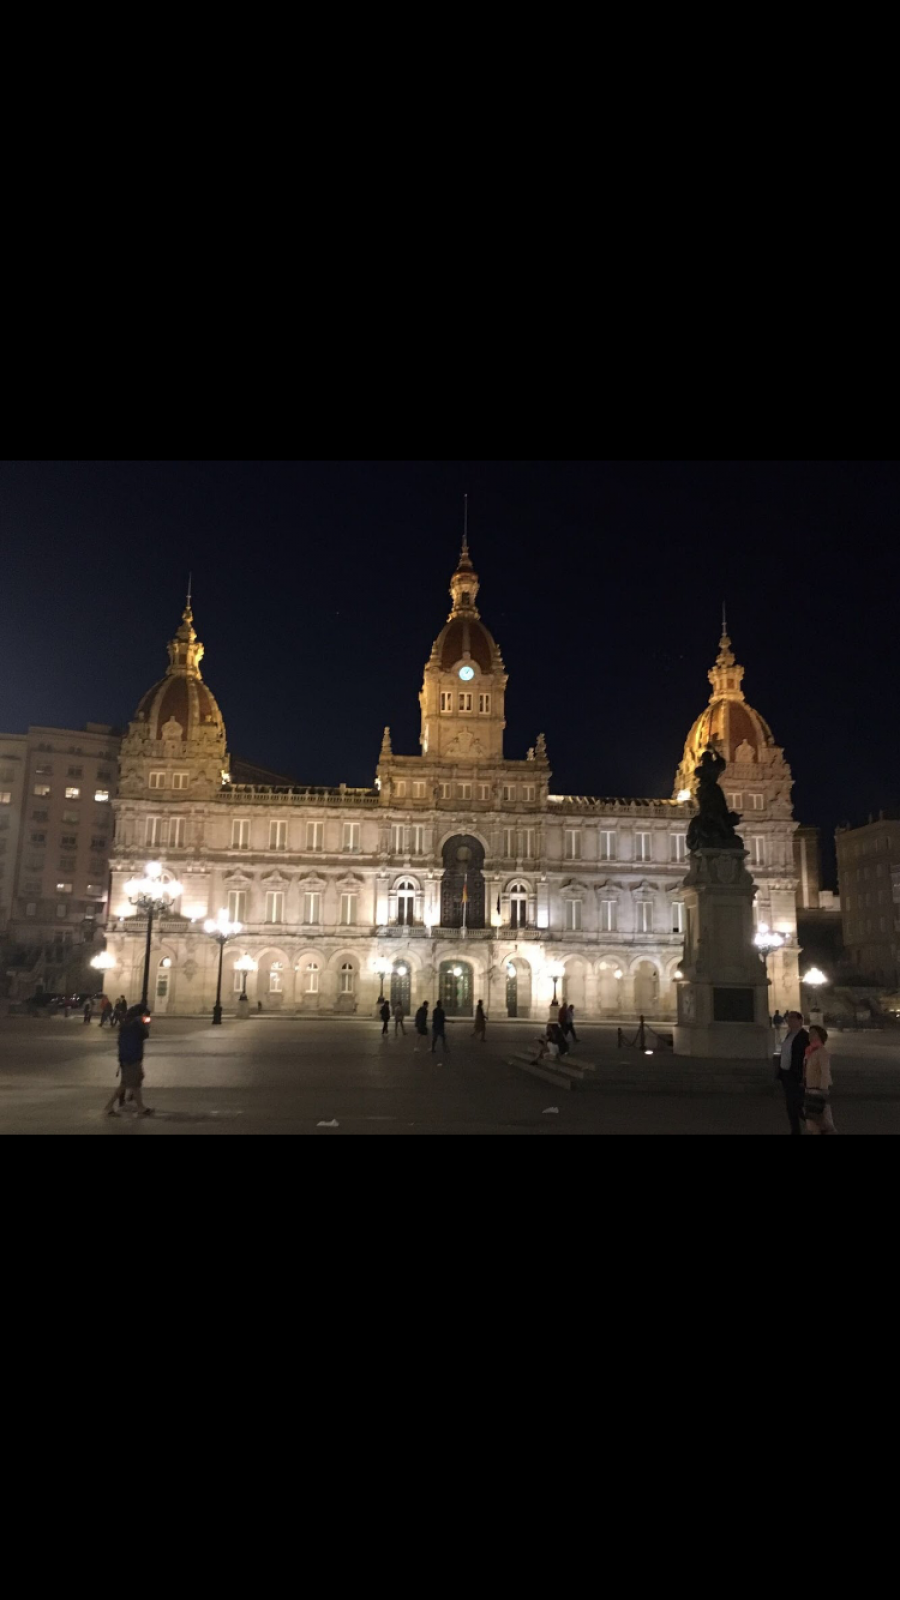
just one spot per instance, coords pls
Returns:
(726, 676)
(185, 650)
(464, 584)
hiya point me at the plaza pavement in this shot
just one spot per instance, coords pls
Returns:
(286, 1075)
(290, 1076)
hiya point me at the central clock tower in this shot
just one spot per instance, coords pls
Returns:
(464, 693)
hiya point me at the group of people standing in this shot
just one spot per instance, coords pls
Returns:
(804, 1070)
(113, 1014)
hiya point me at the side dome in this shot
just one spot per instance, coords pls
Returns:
(180, 705)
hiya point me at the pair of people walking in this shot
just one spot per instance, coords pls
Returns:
(133, 1035)
(804, 1071)
(385, 1013)
(566, 1022)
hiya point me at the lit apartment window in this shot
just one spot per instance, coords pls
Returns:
(312, 907)
(312, 978)
(73, 794)
(348, 978)
(418, 790)
(397, 838)
(573, 844)
(101, 795)
(529, 851)
(465, 701)
(418, 840)
(607, 846)
(177, 827)
(157, 830)
(679, 846)
(179, 780)
(509, 843)
(465, 791)
(348, 910)
(64, 888)
(41, 791)
(678, 916)
(758, 848)
(158, 780)
(608, 909)
(351, 837)
(446, 700)
(644, 914)
(237, 906)
(484, 705)
(277, 835)
(240, 834)
(642, 847)
(315, 835)
(573, 916)
(275, 905)
(756, 802)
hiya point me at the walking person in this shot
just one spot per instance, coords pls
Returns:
(120, 1011)
(817, 1083)
(790, 1069)
(398, 1020)
(132, 1035)
(385, 1015)
(480, 1029)
(422, 1020)
(571, 1028)
(106, 1011)
(439, 1028)
(778, 1020)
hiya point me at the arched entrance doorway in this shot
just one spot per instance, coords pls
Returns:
(455, 980)
(401, 986)
(462, 886)
(646, 989)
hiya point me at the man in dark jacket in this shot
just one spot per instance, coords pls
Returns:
(385, 1015)
(438, 1028)
(132, 1035)
(790, 1069)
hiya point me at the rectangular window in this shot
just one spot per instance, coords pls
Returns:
(465, 791)
(277, 835)
(444, 791)
(96, 891)
(157, 830)
(71, 816)
(529, 792)
(644, 914)
(509, 843)
(312, 906)
(276, 979)
(607, 846)
(45, 770)
(238, 979)
(67, 863)
(758, 847)
(41, 791)
(418, 790)
(679, 847)
(315, 835)
(75, 772)
(179, 780)
(446, 700)
(64, 888)
(240, 834)
(509, 793)
(101, 796)
(38, 838)
(573, 844)
(68, 841)
(484, 791)
(418, 840)
(678, 916)
(484, 705)
(400, 788)
(573, 916)
(348, 910)
(736, 802)
(274, 905)
(99, 843)
(62, 911)
(351, 837)
(756, 802)
(348, 976)
(237, 905)
(465, 701)
(642, 847)
(5, 797)
(39, 816)
(31, 909)
(73, 794)
(529, 836)
(397, 838)
(312, 978)
(158, 780)
(177, 826)
(608, 910)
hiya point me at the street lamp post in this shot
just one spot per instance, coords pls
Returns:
(220, 929)
(556, 971)
(382, 966)
(244, 966)
(150, 896)
(814, 980)
(766, 941)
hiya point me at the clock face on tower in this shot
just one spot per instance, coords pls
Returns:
(467, 674)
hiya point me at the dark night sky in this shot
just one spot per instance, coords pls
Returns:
(319, 587)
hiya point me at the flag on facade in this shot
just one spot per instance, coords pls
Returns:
(465, 899)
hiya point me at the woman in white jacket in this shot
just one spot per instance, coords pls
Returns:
(817, 1083)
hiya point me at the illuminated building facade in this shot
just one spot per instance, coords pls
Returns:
(459, 872)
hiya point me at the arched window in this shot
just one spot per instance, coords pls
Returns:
(406, 902)
(348, 978)
(312, 978)
(518, 906)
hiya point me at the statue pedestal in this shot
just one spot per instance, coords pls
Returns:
(723, 1002)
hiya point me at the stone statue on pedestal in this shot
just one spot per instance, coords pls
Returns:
(714, 826)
